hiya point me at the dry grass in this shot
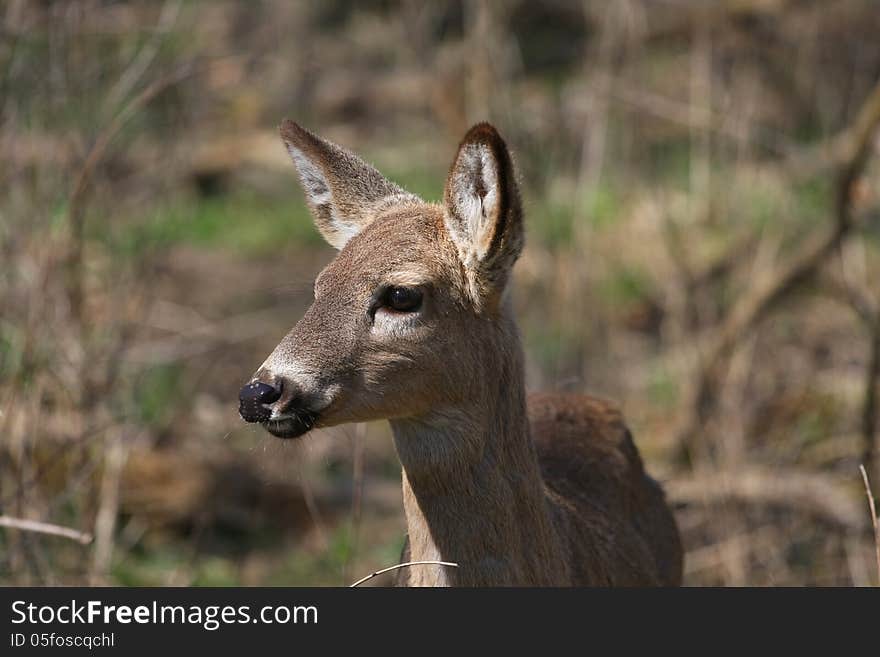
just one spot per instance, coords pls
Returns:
(703, 246)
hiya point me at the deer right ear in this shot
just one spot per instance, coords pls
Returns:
(342, 190)
(483, 211)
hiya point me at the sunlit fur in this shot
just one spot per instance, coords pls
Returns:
(544, 491)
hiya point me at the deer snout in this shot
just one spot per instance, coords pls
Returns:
(254, 399)
(277, 403)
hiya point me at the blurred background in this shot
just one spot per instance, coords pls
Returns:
(703, 212)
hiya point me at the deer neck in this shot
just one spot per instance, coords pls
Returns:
(473, 493)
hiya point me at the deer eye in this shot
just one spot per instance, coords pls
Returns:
(403, 299)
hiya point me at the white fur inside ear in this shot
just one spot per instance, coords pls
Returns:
(475, 201)
(314, 183)
(321, 198)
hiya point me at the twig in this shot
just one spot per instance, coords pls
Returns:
(108, 507)
(870, 411)
(357, 493)
(45, 528)
(873, 518)
(680, 113)
(402, 565)
(146, 55)
(809, 492)
(202, 339)
(851, 148)
(76, 203)
(862, 303)
(846, 149)
(707, 557)
(312, 506)
(856, 299)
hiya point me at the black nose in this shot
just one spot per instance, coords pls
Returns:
(252, 401)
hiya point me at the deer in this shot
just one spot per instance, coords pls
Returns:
(412, 322)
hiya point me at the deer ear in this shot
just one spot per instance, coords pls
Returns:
(343, 191)
(483, 209)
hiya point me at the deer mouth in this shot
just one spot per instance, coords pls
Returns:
(291, 426)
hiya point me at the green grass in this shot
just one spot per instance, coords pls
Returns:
(423, 181)
(154, 566)
(11, 348)
(662, 388)
(668, 163)
(553, 223)
(813, 200)
(151, 565)
(757, 207)
(602, 206)
(156, 394)
(552, 345)
(244, 223)
(326, 567)
(818, 418)
(626, 284)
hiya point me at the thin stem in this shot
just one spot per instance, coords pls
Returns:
(873, 518)
(403, 565)
(45, 528)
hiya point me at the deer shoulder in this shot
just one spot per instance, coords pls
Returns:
(619, 527)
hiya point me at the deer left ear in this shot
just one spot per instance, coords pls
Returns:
(483, 210)
(342, 190)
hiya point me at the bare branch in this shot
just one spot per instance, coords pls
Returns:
(810, 492)
(858, 300)
(862, 302)
(76, 203)
(45, 528)
(357, 492)
(757, 303)
(873, 518)
(403, 565)
(108, 506)
(145, 56)
(870, 411)
(846, 150)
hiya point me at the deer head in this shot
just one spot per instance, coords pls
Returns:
(409, 316)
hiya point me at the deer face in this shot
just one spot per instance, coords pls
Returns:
(402, 314)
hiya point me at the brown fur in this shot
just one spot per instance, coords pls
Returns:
(546, 492)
